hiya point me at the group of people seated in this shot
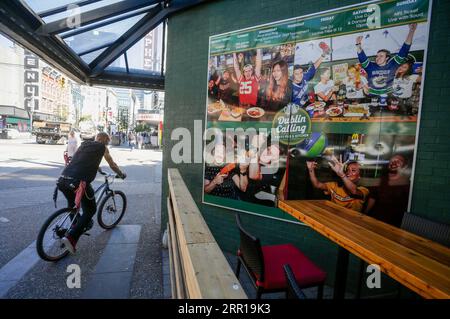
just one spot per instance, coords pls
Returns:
(253, 177)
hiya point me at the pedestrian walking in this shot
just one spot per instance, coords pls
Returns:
(140, 139)
(131, 140)
(71, 148)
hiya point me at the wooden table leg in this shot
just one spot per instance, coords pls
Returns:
(341, 273)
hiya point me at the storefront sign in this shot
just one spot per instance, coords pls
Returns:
(31, 80)
(148, 51)
(149, 117)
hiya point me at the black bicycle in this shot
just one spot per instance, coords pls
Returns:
(109, 213)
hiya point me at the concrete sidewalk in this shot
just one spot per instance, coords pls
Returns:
(28, 173)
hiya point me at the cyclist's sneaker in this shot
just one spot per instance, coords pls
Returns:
(89, 225)
(69, 243)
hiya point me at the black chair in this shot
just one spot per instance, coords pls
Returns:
(426, 228)
(293, 290)
(264, 265)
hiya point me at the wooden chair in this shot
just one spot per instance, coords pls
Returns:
(264, 264)
(293, 290)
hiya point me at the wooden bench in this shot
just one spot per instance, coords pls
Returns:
(198, 268)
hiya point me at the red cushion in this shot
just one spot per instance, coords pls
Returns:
(305, 271)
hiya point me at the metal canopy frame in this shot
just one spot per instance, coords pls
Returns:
(95, 15)
(26, 27)
(60, 9)
(103, 23)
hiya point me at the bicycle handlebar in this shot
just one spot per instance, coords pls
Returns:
(107, 175)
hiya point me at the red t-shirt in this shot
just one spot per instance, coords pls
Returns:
(248, 90)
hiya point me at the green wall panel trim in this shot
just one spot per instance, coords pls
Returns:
(311, 28)
(186, 80)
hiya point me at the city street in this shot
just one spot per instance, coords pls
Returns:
(125, 262)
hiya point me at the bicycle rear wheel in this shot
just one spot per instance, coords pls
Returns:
(112, 209)
(48, 244)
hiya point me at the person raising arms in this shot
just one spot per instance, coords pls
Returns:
(347, 194)
(249, 81)
(381, 72)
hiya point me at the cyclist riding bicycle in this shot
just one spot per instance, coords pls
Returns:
(75, 181)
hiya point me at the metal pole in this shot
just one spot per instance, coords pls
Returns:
(132, 122)
(163, 47)
(106, 113)
(31, 122)
(341, 273)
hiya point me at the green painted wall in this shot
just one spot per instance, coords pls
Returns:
(186, 79)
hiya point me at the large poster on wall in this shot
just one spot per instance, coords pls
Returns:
(328, 105)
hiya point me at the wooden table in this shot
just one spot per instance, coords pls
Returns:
(417, 263)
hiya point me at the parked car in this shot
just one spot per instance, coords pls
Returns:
(88, 131)
(12, 133)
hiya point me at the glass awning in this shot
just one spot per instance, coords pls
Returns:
(39, 6)
(105, 35)
(143, 57)
(97, 41)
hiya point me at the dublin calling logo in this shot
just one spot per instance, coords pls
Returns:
(292, 124)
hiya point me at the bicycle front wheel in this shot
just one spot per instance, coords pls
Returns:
(112, 209)
(48, 244)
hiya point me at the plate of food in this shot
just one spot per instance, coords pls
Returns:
(216, 107)
(316, 106)
(236, 112)
(226, 112)
(319, 106)
(255, 112)
(357, 110)
(334, 111)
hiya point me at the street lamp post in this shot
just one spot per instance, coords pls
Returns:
(132, 118)
(106, 112)
(31, 121)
